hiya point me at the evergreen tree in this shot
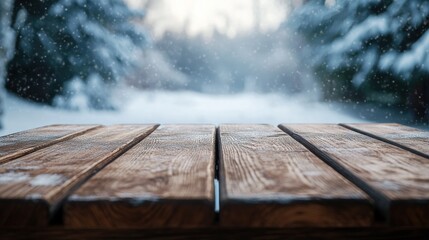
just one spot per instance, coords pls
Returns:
(6, 42)
(370, 50)
(68, 48)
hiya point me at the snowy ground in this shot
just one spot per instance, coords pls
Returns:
(179, 107)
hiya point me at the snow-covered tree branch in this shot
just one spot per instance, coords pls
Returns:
(72, 49)
(373, 50)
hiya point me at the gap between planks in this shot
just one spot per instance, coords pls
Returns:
(404, 205)
(167, 180)
(268, 179)
(217, 153)
(88, 152)
(355, 127)
(38, 138)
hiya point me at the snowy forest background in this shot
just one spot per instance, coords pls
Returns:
(167, 61)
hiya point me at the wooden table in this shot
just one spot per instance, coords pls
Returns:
(294, 181)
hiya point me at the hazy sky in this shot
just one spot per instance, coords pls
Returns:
(203, 17)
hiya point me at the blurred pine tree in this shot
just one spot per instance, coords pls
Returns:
(84, 41)
(370, 50)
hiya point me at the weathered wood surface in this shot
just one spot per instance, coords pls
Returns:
(397, 179)
(32, 186)
(408, 138)
(164, 181)
(18, 144)
(270, 180)
(160, 184)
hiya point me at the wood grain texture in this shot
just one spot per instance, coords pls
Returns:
(408, 138)
(270, 180)
(18, 144)
(164, 181)
(32, 186)
(397, 179)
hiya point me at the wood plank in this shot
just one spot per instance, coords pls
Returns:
(164, 181)
(32, 186)
(398, 180)
(408, 138)
(18, 144)
(270, 180)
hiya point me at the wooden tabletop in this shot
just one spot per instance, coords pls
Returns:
(326, 178)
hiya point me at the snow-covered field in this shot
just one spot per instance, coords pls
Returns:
(178, 107)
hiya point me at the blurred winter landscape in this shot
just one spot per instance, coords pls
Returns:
(179, 107)
(214, 61)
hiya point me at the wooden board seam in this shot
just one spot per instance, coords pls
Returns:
(221, 171)
(217, 152)
(217, 190)
(263, 184)
(94, 169)
(382, 201)
(172, 185)
(396, 144)
(18, 154)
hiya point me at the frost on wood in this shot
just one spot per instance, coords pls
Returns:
(63, 40)
(6, 42)
(39, 180)
(9, 177)
(47, 180)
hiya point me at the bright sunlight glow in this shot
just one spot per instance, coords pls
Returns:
(206, 17)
